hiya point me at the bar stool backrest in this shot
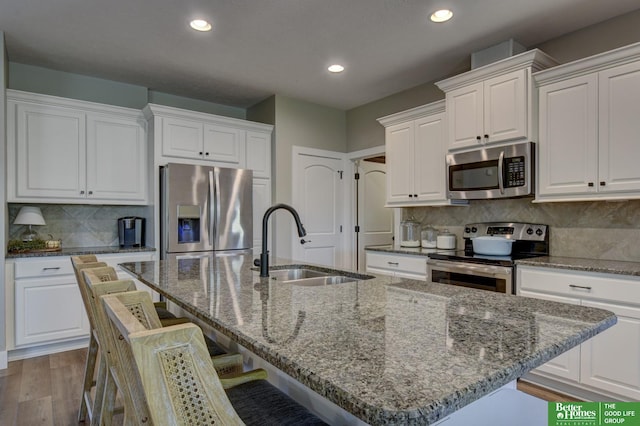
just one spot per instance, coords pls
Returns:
(173, 368)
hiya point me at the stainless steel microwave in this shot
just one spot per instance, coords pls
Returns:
(496, 172)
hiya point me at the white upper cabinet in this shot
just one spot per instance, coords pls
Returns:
(492, 104)
(415, 143)
(67, 151)
(589, 127)
(198, 138)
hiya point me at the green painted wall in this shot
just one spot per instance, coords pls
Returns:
(297, 123)
(363, 131)
(30, 78)
(3, 205)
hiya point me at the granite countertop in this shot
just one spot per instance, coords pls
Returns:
(561, 262)
(76, 251)
(587, 265)
(388, 350)
(418, 251)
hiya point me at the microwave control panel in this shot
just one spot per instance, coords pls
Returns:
(514, 172)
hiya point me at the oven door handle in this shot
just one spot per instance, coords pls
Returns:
(466, 268)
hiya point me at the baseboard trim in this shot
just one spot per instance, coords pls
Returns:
(52, 348)
(4, 360)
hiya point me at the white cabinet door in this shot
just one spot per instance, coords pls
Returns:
(429, 157)
(489, 111)
(465, 115)
(224, 144)
(50, 152)
(566, 365)
(182, 138)
(259, 154)
(611, 360)
(116, 159)
(48, 309)
(505, 107)
(619, 127)
(568, 147)
(400, 162)
(397, 265)
(261, 202)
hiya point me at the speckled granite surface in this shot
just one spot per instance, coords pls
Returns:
(578, 264)
(587, 265)
(388, 350)
(76, 251)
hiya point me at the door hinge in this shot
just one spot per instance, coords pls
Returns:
(340, 173)
(357, 176)
(357, 228)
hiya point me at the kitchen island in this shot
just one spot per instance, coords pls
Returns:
(387, 350)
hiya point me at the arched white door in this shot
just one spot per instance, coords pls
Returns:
(318, 187)
(375, 222)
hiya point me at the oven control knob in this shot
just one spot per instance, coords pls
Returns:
(538, 232)
(474, 229)
(529, 231)
(467, 230)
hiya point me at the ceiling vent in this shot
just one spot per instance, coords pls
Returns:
(495, 53)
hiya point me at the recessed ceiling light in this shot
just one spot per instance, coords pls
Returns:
(441, 15)
(200, 25)
(336, 68)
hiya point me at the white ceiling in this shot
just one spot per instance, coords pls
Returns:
(264, 47)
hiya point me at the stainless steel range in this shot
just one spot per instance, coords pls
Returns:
(494, 273)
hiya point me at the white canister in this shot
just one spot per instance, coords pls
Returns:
(446, 240)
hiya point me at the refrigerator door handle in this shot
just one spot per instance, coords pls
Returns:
(212, 207)
(215, 206)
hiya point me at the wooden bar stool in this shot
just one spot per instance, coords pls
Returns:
(175, 382)
(97, 282)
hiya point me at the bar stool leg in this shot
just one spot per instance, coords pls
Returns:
(89, 369)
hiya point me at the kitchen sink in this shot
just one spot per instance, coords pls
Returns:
(295, 274)
(304, 276)
(321, 281)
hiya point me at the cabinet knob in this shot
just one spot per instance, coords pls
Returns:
(206, 153)
(200, 153)
(603, 183)
(410, 195)
(590, 184)
(81, 192)
(415, 195)
(478, 138)
(90, 192)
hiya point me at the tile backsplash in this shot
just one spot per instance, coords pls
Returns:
(77, 225)
(598, 229)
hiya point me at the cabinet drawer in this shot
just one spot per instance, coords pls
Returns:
(43, 268)
(398, 262)
(580, 284)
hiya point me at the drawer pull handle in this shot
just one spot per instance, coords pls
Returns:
(393, 263)
(51, 268)
(580, 286)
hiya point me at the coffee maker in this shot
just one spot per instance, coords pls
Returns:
(131, 231)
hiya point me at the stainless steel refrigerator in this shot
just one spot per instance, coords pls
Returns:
(205, 209)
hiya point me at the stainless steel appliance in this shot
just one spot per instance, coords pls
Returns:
(497, 172)
(131, 231)
(495, 273)
(205, 209)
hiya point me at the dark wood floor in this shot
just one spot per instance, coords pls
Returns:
(46, 390)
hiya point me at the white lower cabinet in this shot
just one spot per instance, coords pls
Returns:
(47, 307)
(397, 265)
(607, 364)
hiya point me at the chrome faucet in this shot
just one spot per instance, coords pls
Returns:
(264, 256)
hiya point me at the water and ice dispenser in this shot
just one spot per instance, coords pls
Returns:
(188, 224)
